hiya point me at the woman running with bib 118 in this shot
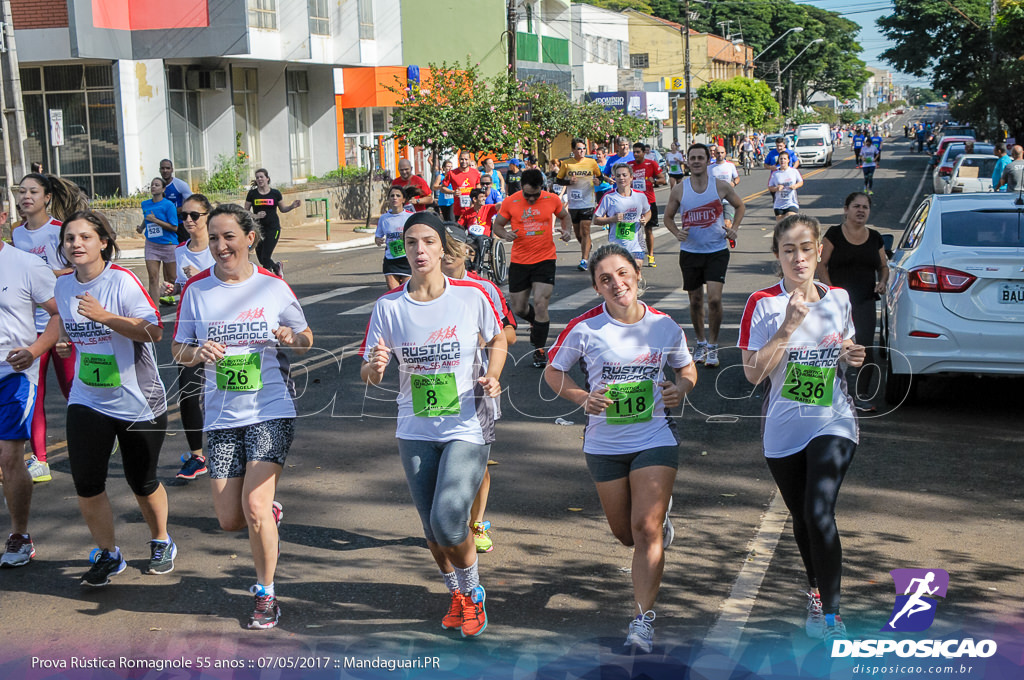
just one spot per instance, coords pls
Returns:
(797, 336)
(434, 326)
(630, 443)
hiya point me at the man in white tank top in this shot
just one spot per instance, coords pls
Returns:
(704, 244)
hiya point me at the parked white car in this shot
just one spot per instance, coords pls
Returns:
(972, 173)
(955, 302)
(813, 149)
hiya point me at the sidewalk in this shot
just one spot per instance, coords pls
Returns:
(309, 236)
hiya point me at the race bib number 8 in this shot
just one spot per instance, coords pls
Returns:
(810, 385)
(396, 247)
(99, 370)
(633, 402)
(625, 231)
(435, 395)
(240, 373)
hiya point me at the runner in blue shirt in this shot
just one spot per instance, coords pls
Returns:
(176, 191)
(858, 142)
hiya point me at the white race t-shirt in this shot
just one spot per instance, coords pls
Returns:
(25, 281)
(786, 197)
(629, 233)
(198, 260)
(391, 227)
(628, 359)
(674, 160)
(806, 391)
(114, 375)
(43, 242)
(868, 154)
(437, 345)
(724, 171)
(252, 383)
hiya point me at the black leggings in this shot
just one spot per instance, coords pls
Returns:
(809, 482)
(869, 178)
(265, 248)
(91, 437)
(864, 321)
(190, 400)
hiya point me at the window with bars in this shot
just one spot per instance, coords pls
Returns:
(263, 14)
(319, 18)
(366, 31)
(639, 61)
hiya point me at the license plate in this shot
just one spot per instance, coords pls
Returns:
(1011, 294)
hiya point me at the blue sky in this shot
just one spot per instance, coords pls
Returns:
(865, 12)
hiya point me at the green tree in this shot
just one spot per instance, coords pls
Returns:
(729, 106)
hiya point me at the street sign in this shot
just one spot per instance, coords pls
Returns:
(56, 127)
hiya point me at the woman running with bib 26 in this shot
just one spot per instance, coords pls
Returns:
(234, 319)
(797, 336)
(630, 443)
(444, 420)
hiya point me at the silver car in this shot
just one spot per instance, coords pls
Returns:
(955, 302)
(972, 173)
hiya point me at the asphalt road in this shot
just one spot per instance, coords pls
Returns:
(934, 484)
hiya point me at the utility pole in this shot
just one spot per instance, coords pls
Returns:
(686, 76)
(512, 21)
(12, 109)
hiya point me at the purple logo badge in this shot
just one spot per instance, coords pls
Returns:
(915, 606)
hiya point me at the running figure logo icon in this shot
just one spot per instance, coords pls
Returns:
(914, 610)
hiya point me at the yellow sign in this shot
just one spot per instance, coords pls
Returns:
(675, 83)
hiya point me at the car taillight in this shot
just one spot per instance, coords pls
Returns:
(939, 280)
(945, 172)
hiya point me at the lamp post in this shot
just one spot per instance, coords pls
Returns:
(795, 29)
(793, 61)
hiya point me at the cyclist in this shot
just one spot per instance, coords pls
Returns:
(116, 396)
(580, 175)
(627, 210)
(531, 214)
(746, 154)
(630, 445)
(235, 319)
(798, 335)
(444, 423)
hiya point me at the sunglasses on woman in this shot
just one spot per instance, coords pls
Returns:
(194, 215)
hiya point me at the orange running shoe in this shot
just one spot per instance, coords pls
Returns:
(453, 619)
(474, 615)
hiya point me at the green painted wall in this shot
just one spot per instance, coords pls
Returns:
(447, 30)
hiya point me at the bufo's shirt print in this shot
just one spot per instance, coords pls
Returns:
(703, 214)
(806, 391)
(114, 375)
(438, 349)
(252, 383)
(628, 359)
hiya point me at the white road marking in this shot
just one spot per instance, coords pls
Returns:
(578, 299)
(363, 310)
(724, 637)
(913, 200)
(320, 297)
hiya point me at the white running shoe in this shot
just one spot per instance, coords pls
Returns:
(711, 360)
(641, 631)
(815, 625)
(700, 353)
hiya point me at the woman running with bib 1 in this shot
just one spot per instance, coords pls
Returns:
(389, 235)
(627, 211)
(630, 443)
(444, 420)
(39, 197)
(192, 257)
(116, 396)
(234, 318)
(797, 336)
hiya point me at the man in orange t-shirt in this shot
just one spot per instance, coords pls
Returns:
(462, 182)
(531, 214)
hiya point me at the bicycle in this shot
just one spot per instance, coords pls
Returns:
(747, 162)
(490, 258)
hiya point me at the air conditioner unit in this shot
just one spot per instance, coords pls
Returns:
(206, 79)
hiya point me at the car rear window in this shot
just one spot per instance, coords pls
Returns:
(978, 167)
(982, 229)
(810, 141)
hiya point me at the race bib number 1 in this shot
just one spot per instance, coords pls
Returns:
(810, 385)
(240, 373)
(435, 395)
(396, 248)
(633, 402)
(99, 370)
(625, 231)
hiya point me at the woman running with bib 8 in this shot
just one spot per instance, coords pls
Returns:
(630, 444)
(445, 423)
(117, 395)
(797, 336)
(234, 319)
